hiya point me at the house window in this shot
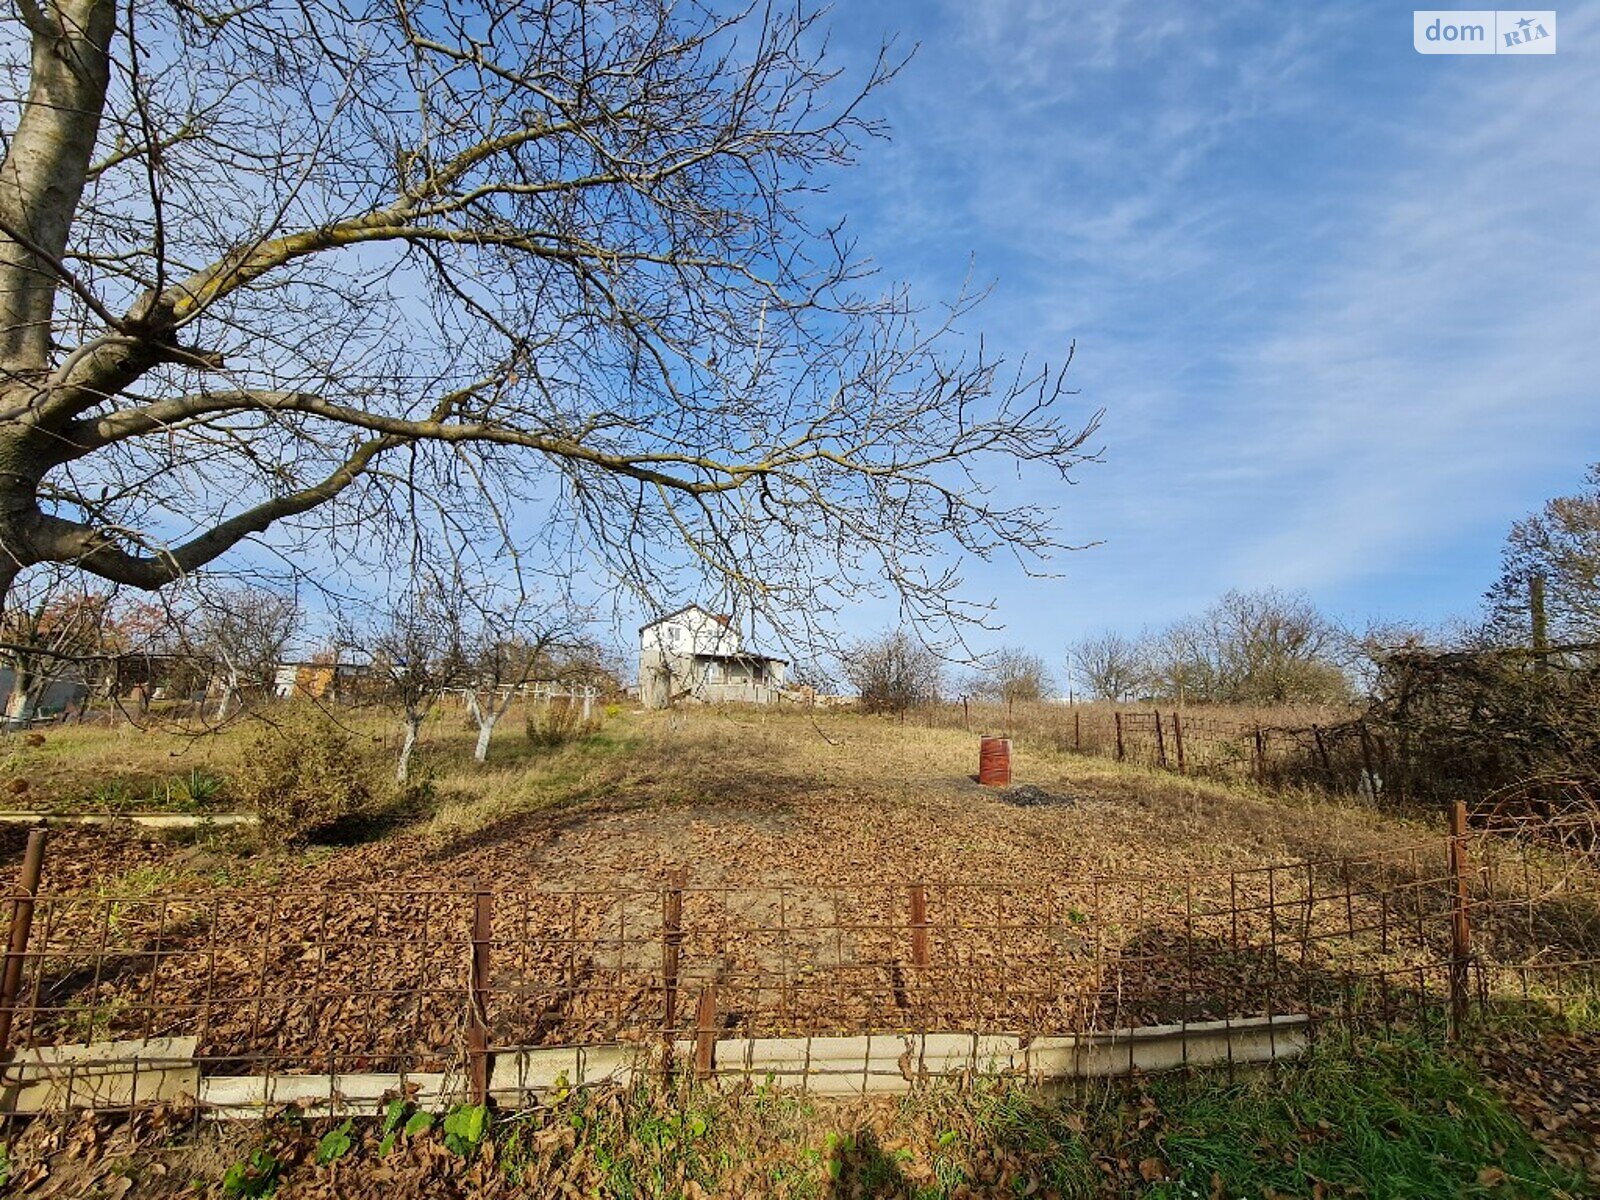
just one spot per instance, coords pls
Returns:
(714, 672)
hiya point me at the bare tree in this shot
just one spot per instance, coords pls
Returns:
(242, 633)
(1548, 591)
(1110, 665)
(283, 272)
(513, 645)
(52, 630)
(419, 652)
(1262, 647)
(1011, 674)
(894, 672)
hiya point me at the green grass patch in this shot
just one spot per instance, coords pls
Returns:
(1395, 1118)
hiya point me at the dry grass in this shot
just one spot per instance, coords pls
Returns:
(738, 796)
(751, 796)
(81, 768)
(1116, 906)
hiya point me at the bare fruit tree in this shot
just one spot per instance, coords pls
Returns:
(241, 634)
(52, 630)
(1011, 674)
(512, 645)
(418, 651)
(279, 274)
(894, 672)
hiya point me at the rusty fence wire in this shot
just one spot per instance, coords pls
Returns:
(439, 981)
(1343, 757)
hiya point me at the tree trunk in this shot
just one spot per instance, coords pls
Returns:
(46, 166)
(229, 691)
(413, 725)
(20, 703)
(486, 726)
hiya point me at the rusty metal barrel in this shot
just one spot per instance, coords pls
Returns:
(994, 762)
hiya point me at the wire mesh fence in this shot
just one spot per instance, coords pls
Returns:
(1341, 756)
(441, 982)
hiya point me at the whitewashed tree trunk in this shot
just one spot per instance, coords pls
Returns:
(20, 704)
(480, 752)
(487, 718)
(413, 728)
(229, 691)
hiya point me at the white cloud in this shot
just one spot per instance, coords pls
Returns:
(1339, 299)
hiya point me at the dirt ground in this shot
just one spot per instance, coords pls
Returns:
(744, 797)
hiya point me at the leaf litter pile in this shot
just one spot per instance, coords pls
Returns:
(361, 961)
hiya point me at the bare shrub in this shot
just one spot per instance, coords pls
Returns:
(894, 672)
(557, 722)
(303, 773)
(1012, 675)
(1469, 722)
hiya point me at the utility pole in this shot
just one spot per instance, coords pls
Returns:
(1539, 620)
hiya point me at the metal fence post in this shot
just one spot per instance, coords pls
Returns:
(705, 1032)
(671, 946)
(1077, 731)
(1261, 756)
(919, 925)
(21, 928)
(1120, 752)
(1161, 742)
(1177, 740)
(478, 1008)
(1460, 925)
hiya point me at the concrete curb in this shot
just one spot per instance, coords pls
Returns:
(116, 1074)
(143, 820)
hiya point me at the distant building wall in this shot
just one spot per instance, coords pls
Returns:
(58, 697)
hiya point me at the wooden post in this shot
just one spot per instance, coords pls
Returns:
(1322, 753)
(478, 1008)
(966, 716)
(1261, 756)
(1177, 740)
(1120, 752)
(671, 946)
(1161, 741)
(1366, 761)
(21, 928)
(1077, 731)
(705, 1032)
(919, 925)
(1460, 925)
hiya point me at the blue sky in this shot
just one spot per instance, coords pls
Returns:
(1340, 301)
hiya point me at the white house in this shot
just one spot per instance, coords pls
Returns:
(692, 654)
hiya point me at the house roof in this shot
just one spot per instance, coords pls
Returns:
(723, 619)
(746, 656)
